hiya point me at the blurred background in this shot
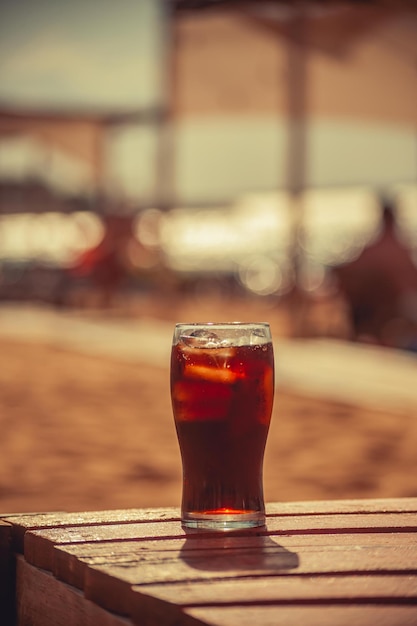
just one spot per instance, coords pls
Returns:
(166, 160)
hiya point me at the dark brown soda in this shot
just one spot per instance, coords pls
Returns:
(222, 403)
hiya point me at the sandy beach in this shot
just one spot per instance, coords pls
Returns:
(92, 431)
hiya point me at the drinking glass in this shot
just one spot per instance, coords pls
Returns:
(222, 389)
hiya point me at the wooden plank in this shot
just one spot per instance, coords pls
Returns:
(172, 566)
(7, 575)
(39, 544)
(109, 584)
(310, 615)
(337, 507)
(387, 589)
(23, 522)
(164, 603)
(30, 521)
(71, 561)
(44, 601)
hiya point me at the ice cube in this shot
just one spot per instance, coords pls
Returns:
(202, 338)
(211, 374)
(257, 336)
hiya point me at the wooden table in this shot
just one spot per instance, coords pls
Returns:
(316, 563)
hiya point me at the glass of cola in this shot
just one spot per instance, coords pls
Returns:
(222, 390)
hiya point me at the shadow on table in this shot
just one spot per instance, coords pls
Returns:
(236, 552)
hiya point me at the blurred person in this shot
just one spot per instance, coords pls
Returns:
(105, 265)
(380, 288)
(119, 260)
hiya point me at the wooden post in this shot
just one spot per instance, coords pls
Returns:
(297, 144)
(165, 174)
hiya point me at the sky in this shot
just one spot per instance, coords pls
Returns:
(91, 53)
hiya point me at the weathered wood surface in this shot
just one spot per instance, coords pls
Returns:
(99, 580)
(61, 605)
(71, 563)
(27, 521)
(315, 563)
(39, 544)
(324, 615)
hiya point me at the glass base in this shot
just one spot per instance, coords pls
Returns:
(223, 521)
